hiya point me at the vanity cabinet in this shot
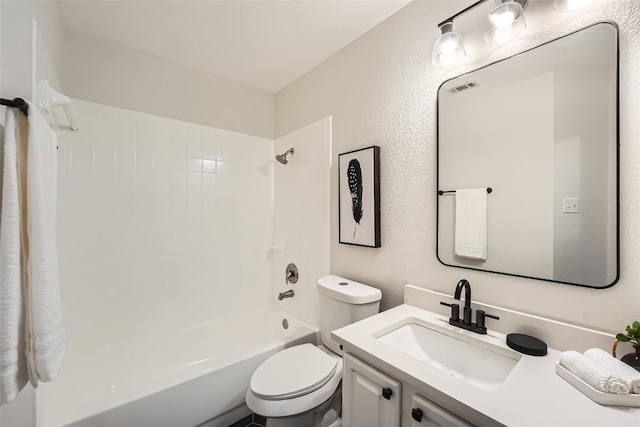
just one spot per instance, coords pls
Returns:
(371, 398)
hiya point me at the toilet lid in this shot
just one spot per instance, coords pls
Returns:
(293, 372)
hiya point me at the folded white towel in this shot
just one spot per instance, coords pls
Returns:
(471, 223)
(592, 373)
(13, 361)
(615, 366)
(47, 345)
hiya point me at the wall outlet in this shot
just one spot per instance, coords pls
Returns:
(570, 205)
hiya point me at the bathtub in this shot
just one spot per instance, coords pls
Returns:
(194, 377)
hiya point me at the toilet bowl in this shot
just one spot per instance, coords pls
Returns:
(295, 384)
(300, 386)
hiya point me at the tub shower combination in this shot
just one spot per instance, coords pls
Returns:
(181, 379)
(164, 273)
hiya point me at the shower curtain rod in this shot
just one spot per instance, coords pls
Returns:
(18, 103)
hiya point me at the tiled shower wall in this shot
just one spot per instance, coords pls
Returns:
(162, 225)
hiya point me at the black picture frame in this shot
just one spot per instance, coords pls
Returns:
(359, 197)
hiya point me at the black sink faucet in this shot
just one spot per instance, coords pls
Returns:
(466, 313)
(478, 327)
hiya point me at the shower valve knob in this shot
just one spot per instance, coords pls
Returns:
(291, 274)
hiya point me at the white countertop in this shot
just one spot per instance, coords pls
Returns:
(532, 394)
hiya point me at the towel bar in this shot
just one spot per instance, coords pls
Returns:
(440, 192)
(18, 103)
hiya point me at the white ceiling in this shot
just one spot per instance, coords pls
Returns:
(266, 44)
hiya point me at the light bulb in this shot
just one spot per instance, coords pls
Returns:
(446, 60)
(503, 34)
(448, 53)
(506, 21)
(503, 20)
(448, 48)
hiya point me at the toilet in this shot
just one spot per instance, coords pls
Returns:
(301, 386)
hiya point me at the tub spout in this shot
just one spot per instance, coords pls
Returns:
(287, 294)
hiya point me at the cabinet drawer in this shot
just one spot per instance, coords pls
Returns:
(426, 414)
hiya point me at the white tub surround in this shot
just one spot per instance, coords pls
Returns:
(302, 217)
(174, 379)
(530, 395)
(163, 229)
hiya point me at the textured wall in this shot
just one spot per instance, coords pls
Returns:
(381, 89)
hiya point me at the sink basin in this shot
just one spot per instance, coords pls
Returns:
(477, 362)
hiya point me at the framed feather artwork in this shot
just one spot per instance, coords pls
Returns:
(359, 205)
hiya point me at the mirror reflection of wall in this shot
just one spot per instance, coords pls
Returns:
(540, 129)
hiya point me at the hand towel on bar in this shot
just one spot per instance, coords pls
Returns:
(471, 223)
(47, 345)
(593, 374)
(13, 356)
(616, 366)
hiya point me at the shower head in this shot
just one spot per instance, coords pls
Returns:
(282, 158)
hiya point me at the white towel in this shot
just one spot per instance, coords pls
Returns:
(471, 223)
(47, 346)
(593, 374)
(611, 364)
(13, 362)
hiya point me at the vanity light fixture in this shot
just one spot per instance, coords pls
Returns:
(570, 5)
(505, 21)
(449, 48)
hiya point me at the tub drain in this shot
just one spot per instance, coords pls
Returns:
(285, 323)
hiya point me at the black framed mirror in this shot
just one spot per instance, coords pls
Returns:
(541, 130)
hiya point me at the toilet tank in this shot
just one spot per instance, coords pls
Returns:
(342, 302)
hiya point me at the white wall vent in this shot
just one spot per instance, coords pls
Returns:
(460, 88)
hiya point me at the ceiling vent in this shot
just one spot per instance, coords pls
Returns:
(457, 89)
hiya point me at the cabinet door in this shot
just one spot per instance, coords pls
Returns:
(370, 398)
(426, 414)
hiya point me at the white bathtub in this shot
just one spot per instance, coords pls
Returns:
(180, 379)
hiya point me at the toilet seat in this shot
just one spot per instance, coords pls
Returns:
(293, 372)
(275, 391)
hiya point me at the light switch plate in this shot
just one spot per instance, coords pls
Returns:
(570, 205)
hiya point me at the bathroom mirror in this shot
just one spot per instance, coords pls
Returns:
(541, 130)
